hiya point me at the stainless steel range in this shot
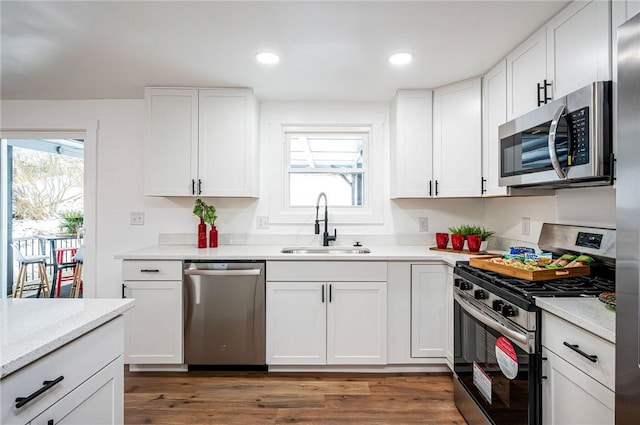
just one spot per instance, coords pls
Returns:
(497, 344)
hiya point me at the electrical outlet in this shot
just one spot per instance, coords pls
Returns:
(137, 218)
(262, 222)
(423, 224)
(526, 226)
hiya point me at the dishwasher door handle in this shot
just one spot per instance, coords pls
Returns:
(246, 272)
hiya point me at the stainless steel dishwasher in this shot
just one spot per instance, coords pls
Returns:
(224, 313)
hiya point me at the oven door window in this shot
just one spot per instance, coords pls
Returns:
(500, 380)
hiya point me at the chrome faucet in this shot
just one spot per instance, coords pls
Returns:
(325, 236)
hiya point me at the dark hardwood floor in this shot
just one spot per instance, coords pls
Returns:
(248, 398)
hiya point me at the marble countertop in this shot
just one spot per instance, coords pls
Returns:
(32, 328)
(588, 313)
(272, 253)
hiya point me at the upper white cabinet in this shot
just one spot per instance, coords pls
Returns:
(571, 51)
(411, 144)
(457, 139)
(526, 70)
(201, 142)
(494, 114)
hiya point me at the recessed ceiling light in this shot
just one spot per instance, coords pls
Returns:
(267, 58)
(400, 58)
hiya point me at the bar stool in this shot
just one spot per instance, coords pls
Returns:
(76, 286)
(64, 261)
(41, 261)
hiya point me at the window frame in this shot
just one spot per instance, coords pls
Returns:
(329, 131)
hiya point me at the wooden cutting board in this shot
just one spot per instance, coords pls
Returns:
(533, 275)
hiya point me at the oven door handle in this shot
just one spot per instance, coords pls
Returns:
(553, 154)
(516, 336)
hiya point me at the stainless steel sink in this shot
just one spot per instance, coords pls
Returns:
(326, 250)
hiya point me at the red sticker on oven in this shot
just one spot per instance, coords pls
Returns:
(507, 357)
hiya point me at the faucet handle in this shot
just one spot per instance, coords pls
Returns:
(357, 244)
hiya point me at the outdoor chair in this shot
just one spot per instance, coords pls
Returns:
(41, 261)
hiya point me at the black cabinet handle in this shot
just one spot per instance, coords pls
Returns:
(50, 422)
(576, 348)
(540, 88)
(330, 292)
(149, 271)
(47, 385)
(199, 187)
(612, 168)
(483, 189)
(193, 187)
(430, 193)
(436, 187)
(546, 95)
(124, 287)
(323, 294)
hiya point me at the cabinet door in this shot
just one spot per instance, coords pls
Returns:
(154, 325)
(227, 156)
(578, 46)
(411, 144)
(526, 67)
(429, 310)
(494, 114)
(449, 317)
(457, 139)
(99, 400)
(171, 142)
(570, 396)
(357, 323)
(296, 323)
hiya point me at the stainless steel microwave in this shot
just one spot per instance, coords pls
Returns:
(564, 143)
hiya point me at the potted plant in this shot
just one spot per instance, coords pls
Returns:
(199, 211)
(457, 238)
(71, 221)
(209, 216)
(467, 229)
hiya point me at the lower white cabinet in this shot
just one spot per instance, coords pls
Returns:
(578, 370)
(569, 396)
(87, 383)
(326, 313)
(154, 327)
(429, 310)
(335, 323)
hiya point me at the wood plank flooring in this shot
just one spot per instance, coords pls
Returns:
(248, 398)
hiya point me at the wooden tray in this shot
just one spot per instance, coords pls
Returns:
(465, 251)
(533, 275)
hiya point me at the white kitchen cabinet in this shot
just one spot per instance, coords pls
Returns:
(411, 118)
(457, 139)
(314, 319)
(571, 51)
(89, 388)
(526, 68)
(154, 327)
(569, 396)
(429, 310)
(579, 375)
(494, 113)
(201, 142)
(449, 318)
(579, 46)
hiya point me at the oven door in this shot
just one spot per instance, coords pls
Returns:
(496, 368)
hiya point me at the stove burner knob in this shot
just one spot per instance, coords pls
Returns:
(498, 304)
(508, 311)
(465, 286)
(479, 294)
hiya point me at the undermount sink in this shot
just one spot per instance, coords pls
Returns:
(326, 250)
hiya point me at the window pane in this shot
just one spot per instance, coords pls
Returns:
(342, 190)
(326, 151)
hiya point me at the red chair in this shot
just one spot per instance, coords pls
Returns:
(65, 260)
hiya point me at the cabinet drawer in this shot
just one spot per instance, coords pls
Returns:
(556, 332)
(327, 271)
(76, 362)
(151, 270)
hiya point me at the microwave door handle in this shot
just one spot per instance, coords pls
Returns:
(552, 143)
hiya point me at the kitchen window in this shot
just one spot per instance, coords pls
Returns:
(334, 162)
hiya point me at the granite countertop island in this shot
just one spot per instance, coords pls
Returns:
(32, 328)
(588, 313)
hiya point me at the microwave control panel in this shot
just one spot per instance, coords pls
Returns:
(578, 123)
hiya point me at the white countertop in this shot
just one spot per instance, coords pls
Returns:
(32, 328)
(272, 253)
(588, 313)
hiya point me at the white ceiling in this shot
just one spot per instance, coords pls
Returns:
(330, 50)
